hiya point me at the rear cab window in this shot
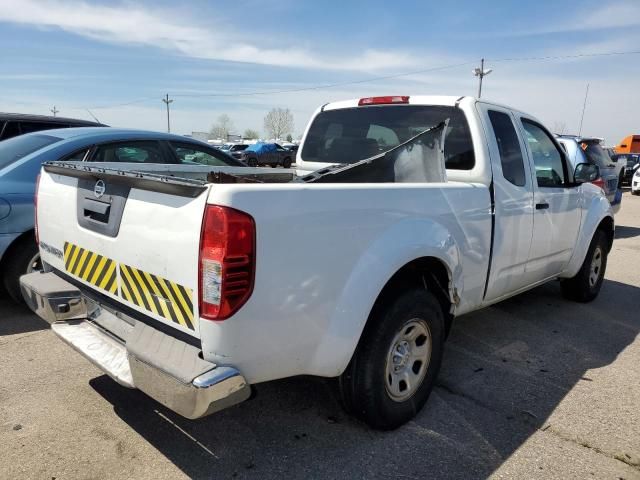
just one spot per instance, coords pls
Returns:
(595, 154)
(353, 134)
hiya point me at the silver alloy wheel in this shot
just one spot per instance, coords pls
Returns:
(596, 267)
(35, 264)
(408, 360)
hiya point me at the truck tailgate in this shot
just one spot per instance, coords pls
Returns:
(124, 238)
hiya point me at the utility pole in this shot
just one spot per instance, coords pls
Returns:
(584, 106)
(54, 110)
(167, 102)
(481, 73)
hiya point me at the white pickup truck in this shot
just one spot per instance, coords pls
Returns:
(194, 285)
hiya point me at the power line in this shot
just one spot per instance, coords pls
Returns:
(564, 57)
(360, 81)
(322, 86)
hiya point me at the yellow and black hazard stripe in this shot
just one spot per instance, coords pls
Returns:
(157, 295)
(91, 267)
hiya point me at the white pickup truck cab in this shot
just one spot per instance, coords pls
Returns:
(195, 283)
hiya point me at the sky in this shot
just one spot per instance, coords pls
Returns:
(116, 59)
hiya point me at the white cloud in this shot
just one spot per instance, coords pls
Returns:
(129, 24)
(608, 17)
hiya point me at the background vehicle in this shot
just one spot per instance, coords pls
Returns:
(20, 160)
(217, 283)
(632, 163)
(589, 150)
(619, 162)
(234, 149)
(635, 182)
(14, 124)
(267, 154)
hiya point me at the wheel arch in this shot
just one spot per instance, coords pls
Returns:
(430, 273)
(599, 217)
(29, 235)
(607, 226)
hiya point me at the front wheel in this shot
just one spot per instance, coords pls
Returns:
(286, 163)
(397, 360)
(586, 284)
(252, 162)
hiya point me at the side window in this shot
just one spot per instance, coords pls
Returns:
(547, 159)
(11, 129)
(509, 148)
(28, 127)
(131, 152)
(192, 155)
(77, 156)
(385, 137)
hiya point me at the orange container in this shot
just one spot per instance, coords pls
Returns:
(630, 144)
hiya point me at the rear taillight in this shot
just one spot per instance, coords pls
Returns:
(383, 100)
(227, 261)
(599, 182)
(35, 203)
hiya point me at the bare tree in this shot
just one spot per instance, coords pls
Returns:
(278, 122)
(559, 127)
(222, 128)
(250, 134)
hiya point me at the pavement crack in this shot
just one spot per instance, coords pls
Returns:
(621, 457)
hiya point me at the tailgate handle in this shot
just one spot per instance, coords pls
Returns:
(98, 211)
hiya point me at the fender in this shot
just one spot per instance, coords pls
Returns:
(597, 208)
(401, 244)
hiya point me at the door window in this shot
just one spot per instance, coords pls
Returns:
(509, 148)
(131, 152)
(547, 159)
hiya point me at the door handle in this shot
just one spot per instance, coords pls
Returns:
(542, 206)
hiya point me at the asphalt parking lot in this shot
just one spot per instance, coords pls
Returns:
(535, 387)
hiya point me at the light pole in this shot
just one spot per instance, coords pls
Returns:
(481, 73)
(54, 110)
(167, 102)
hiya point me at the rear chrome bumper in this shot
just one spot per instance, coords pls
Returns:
(128, 352)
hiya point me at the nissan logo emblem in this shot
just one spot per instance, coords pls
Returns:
(99, 189)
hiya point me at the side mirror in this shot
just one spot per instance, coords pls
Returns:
(586, 172)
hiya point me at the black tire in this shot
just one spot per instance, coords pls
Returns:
(364, 388)
(252, 162)
(286, 163)
(584, 287)
(18, 261)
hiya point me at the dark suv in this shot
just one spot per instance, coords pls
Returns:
(14, 124)
(589, 150)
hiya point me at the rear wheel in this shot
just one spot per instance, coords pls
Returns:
(396, 362)
(23, 258)
(586, 284)
(252, 162)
